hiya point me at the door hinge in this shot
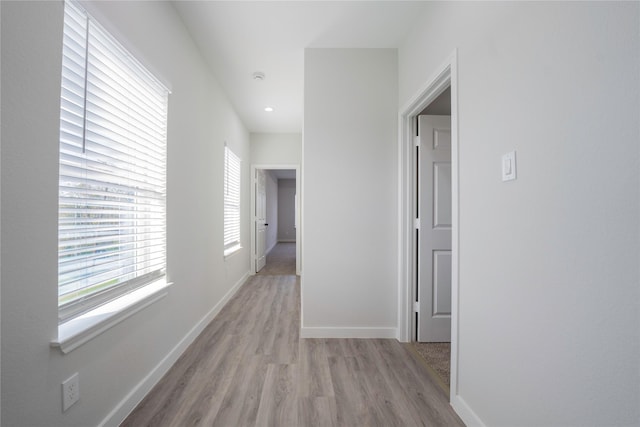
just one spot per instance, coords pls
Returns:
(416, 141)
(416, 307)
(416, 223)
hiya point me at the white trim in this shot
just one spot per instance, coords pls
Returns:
(229, 252)
(441, 79)
(81, 329)
(445, 75)
(279, 166)
(337, 332)
(465, 413)
(135, 396)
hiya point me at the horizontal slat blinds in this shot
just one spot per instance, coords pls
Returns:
(231, 200)
(112, 193)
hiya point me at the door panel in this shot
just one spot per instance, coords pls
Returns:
(442, 195)
(441, 283)
(442, 138)
(261, 217)
(434, 235)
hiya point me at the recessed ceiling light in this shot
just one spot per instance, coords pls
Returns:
(268, 109)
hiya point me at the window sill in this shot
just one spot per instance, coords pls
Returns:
(79, 330)
(232, 250)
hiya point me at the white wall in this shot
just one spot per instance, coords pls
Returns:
(276, 148)
(286, 210)
(273, 205)
(200, 120)
(549, 278)
(349, 181)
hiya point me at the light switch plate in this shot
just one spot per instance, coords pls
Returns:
(509, 166)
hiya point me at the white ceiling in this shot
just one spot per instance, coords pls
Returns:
(238, 38)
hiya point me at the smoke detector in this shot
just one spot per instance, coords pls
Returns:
(258, 76)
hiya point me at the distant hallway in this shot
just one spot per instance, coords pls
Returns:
(281, 261)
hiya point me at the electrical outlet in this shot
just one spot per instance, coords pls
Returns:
(70, 391)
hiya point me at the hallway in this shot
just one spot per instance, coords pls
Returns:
(281, 260)
(249, 367)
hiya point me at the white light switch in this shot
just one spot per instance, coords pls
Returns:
(509, 166)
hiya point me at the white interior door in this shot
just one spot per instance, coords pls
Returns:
(434, 246)
(261, 217)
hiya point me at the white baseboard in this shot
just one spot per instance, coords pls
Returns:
(135, 396)
(313, 332)
(465, 413)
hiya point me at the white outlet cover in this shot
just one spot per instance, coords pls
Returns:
(70, 391)
(509, 166)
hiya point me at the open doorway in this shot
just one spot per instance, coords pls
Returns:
(410, 301)
(432, 178)
(275, 238)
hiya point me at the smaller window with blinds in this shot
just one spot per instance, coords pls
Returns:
(231, 202)
(112, 183)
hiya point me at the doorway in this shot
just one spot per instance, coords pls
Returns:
(275, 231)
(432, 340)
(409, 304)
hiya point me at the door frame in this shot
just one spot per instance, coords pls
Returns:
(252, 216)
(446, 75)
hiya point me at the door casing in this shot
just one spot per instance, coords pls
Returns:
(445, 76)
(295, 167)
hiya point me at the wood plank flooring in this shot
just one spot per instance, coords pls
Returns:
(250, 368)
(281, 260)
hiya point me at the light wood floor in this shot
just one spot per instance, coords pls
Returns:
(281, 260)
(250, 368)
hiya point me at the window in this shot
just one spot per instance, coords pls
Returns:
(112, 190)
(231, 201)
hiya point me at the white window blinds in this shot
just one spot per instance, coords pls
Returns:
(231, 201)
(112, 191)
